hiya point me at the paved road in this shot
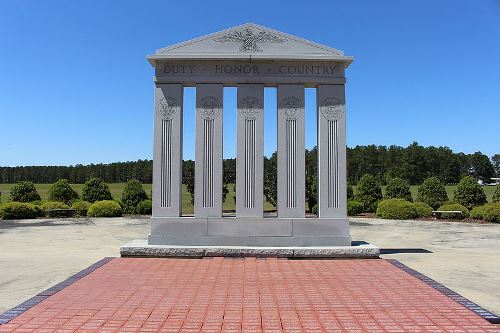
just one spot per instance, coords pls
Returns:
(36, 254)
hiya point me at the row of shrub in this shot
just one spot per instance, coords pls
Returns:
(432, 192)
(95, 201)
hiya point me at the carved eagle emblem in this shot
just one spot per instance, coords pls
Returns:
(249, 40)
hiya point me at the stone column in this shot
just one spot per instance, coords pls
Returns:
(208, 164)
(332, 192)
(167, 151)
(291, 162)
(250, 155)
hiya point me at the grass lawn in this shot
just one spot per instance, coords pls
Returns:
(117, 189)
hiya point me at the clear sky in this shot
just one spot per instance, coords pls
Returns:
(75, 86)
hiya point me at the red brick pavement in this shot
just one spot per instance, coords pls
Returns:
(248, 295)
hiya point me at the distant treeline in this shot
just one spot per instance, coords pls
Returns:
(413, 163)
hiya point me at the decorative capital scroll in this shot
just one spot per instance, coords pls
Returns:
(167, 107)
(249, 40)
(291, 108)
(250, 107)
(209, 107)
(332, 108)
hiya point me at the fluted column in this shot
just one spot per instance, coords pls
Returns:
(291, 161)
(208, 164)
(250, 142)
(332, 196)
(167, 151)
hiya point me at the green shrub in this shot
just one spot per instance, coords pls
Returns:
(145, 207)
(81, 207)
(368, 192)
(432, 192)
(422, 209)
(38, 210)
(53, 205)
(354, 208)
(469, 193)
(62, 191)
(496, 195)
(95, 190)
(17, 210)
(491, 212)
(398, 188)
(397, 209)
(24, 192)
(453, 206)
(104, 208)
(314, 209)
(133, 194)
(477, 213)
(350, 193)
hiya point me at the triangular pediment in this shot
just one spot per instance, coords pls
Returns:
(249, 41)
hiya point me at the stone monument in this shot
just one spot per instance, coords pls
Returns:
(249, 57)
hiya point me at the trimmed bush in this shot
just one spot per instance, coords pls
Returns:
(133, 194)
(24, 192)
(453, 206)
(496, 195)
(350, 193)
(17, 210)
(95, 190)
(368, 192)
(398, 188)
(354, 208)
(62, 191)
(104, 208)
(469, 193)
(477, 213)
(144, 207)
(53, 205)
(491, 212)
(422, 209)
(397, 209)
(432, 192)
(81, 207)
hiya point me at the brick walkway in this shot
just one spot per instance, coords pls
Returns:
(248, 295)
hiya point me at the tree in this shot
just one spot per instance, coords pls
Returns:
(469, 193)
(495, 160)
(398, 188)
(270, 179)
(95, 190)
(133, 194)
(188, 177)
(62, 191)
(24, 191)
(311, 177)
(481, 167)
(368, 192)
(432, 192)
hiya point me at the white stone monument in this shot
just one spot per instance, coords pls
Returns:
(249, 57)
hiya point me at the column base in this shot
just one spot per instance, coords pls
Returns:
(238, 231)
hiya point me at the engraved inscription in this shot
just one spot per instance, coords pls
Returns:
(332, 108)
(249, 40)
(291, 108)
(250, 107)
(167, 107)
(209, 107)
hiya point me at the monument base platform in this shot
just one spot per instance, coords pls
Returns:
(242, 231)
(141, 248)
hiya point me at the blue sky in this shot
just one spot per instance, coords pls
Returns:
(75, 86)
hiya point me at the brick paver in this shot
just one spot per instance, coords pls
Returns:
(248, 295)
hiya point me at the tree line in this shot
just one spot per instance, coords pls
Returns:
(413, 163)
